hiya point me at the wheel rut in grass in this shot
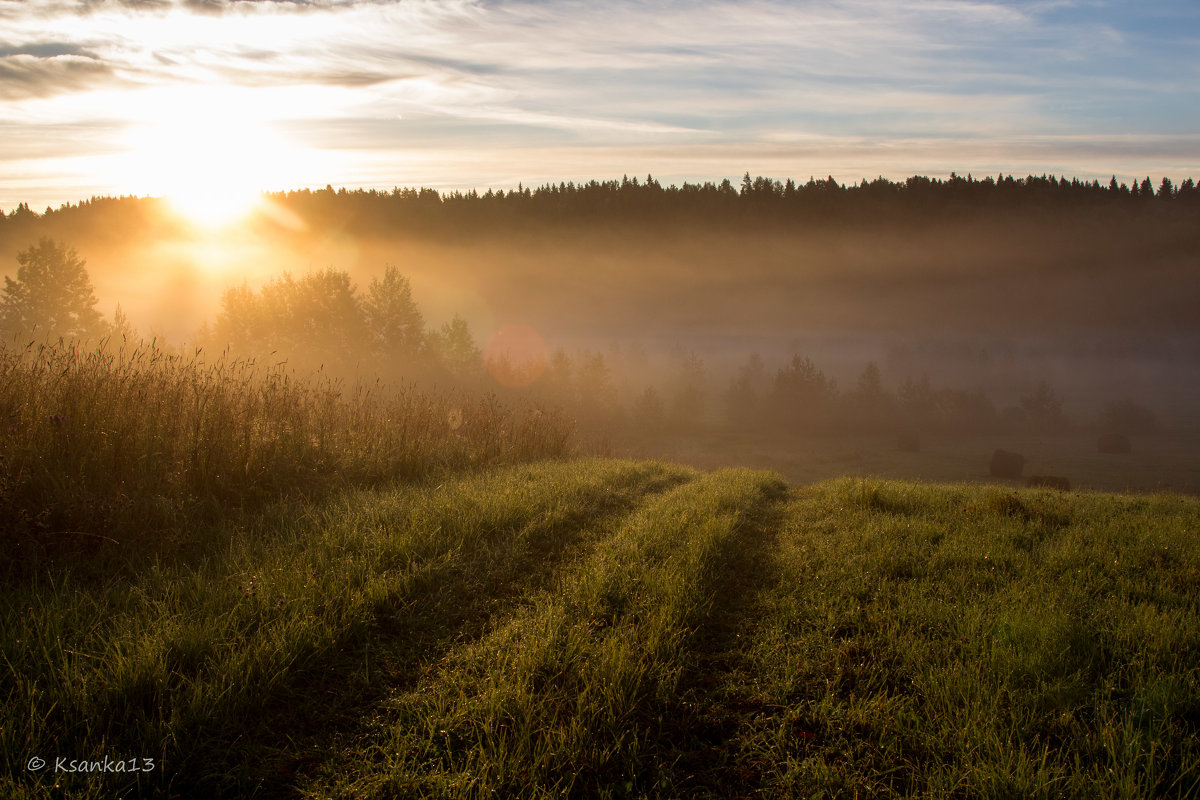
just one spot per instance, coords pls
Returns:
(452, 602)
(241, 670)
(568, 695)
(697, 749)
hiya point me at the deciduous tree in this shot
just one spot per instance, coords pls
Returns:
(394, 322)
(52, 295)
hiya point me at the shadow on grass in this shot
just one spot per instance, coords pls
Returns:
(327, 706)
(697, 743)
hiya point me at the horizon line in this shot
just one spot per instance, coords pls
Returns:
(460, 189)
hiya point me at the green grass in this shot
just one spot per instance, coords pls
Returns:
(573, 691)
(976, 642)
(623, 629)
(201, 666)
(468, 626)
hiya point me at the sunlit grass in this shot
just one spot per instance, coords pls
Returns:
(946, 642)
(126, 446)
(202, 665)
(277, 588)
(575, 690)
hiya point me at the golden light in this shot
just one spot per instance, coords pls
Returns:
(515, 355)
(207, 153)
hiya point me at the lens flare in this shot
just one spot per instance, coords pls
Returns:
(515, 355)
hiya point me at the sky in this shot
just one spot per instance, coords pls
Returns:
(213, 98)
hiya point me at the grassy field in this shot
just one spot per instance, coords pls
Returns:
(607, 628)
(221, 581)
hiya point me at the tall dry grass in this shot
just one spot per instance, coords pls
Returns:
(127, 443)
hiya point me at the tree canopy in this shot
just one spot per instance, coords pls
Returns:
(52, 295)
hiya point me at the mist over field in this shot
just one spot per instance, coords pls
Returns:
(957, 302)
(1046, 283)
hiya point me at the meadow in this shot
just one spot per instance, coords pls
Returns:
(224, 582)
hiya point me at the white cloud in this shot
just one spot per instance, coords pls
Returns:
(410, 77)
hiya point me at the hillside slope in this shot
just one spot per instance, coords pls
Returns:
(629, 629)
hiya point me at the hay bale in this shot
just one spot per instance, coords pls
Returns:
(1007, 465)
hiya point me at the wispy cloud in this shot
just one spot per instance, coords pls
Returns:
(24, 75)
(400, 79)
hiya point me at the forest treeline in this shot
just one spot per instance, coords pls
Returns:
(1073, 266)
(320, 323)
(758, 200)
(1000, 257)
(647, 201)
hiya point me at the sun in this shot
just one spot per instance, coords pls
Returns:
(211, 170)
(208, 156)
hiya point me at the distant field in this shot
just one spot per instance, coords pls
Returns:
(1166, 462)
(606, 628)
